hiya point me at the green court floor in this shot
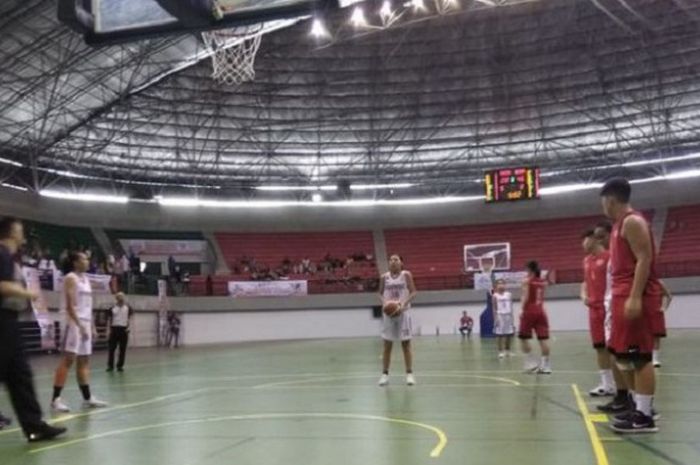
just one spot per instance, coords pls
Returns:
(317, 403)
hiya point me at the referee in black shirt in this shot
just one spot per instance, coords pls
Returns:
(15, 372)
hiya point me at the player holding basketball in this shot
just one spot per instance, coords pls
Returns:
(593, 287)
(504, 321)
(636, 294)
(80, 331)
(534, 318)
(397, 290)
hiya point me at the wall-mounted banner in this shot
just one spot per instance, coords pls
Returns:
(268, 288)
(156, 250)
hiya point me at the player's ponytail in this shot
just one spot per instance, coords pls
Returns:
(534, 268)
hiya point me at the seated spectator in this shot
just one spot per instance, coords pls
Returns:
(466, 324)
(307, 266)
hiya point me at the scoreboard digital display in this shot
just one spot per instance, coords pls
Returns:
(511, 184)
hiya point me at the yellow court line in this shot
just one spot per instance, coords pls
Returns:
(345, 377)
(434, 453)
(598, 449)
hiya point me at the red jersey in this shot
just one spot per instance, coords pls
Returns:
(595, 273)
(535, 296)
(623, 262)
(466, 321)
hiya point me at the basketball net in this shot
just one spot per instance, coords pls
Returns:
(485, 276)
(233, 53)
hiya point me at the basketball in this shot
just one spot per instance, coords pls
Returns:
(391, 308)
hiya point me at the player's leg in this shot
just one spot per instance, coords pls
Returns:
(386, 362)
(408, 360)
(83, 373)
(112, 348)
(636, 342)
(501, 346)
(622, 401)
(542, 332)
(59, 381)
(525, 334)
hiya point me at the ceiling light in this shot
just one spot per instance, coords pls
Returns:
(318, 30)
(358, 17)
(385, 11)
(367, 187)
(82, 197)
(316, 197)
(13, 186)
(417, 5)
(7, 161)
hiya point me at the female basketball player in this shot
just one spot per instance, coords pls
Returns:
(80, 331)
(504, 322)
(534, 318)
(397, 286)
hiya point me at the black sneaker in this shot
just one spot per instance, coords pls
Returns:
(623, 417)
(45, 432)
(636, 424)
(110, 369)
(615, 406)
(120, 370)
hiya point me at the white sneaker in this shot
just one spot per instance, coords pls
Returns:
(656, 363)
(602, 391)
(544, 370)
(410, 379)
(93, 402)
(384, 379)
(501, 355)
(57, 405)
(530, 366)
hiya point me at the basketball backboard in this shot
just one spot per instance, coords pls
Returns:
(496, 255)
(109, 21)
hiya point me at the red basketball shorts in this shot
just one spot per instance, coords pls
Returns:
(534, 321)
(633, 338)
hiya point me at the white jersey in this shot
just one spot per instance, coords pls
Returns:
(396, 288)
(82, 297)
(504, 302)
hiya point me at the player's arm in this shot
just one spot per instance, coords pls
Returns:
(412, 292)
(667, 296)
(584, 293)
(381, 289)
(494, 305)
(13, 289)
(636, 232)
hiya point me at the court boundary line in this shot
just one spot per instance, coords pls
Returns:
(598, 448)
(435, 452)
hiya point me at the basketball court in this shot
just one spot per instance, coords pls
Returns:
(317, 402)
(251, 173)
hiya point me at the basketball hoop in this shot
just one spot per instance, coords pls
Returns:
(233, 53)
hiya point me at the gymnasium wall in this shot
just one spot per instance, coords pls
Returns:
(565, 314)
(212, 320)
